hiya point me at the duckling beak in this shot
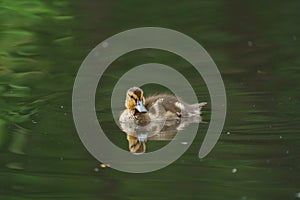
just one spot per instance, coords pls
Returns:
(140, 107)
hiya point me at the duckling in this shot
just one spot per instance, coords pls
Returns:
(157, 107)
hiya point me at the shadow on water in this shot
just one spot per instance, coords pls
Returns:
(255, 46)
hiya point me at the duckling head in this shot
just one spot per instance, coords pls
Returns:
(135, 100)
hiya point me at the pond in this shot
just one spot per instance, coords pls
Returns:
(255, 47)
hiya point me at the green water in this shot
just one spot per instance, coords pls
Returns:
(255, 46)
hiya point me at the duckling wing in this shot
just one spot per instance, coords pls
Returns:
(166, 105)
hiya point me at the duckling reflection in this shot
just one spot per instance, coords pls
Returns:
(135, 145)
(139, 134)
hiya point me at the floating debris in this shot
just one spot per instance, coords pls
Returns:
(280, 137)
(61, 158)
(260, 72)
(228, 133)
(102, 165)
(34, 122)
(61, 107)
(96, 169)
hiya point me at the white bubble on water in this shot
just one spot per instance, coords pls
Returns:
(244, 198)
(250, 43)
(104, 44)
(294, 37)
(184, 143)
(234, 170)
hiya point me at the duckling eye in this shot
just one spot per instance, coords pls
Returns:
(131, 96)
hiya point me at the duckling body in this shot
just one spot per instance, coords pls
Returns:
(157, 107)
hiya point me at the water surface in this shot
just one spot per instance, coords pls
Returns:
(255, 46)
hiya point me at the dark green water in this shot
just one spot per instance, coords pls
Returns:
(255, 46)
